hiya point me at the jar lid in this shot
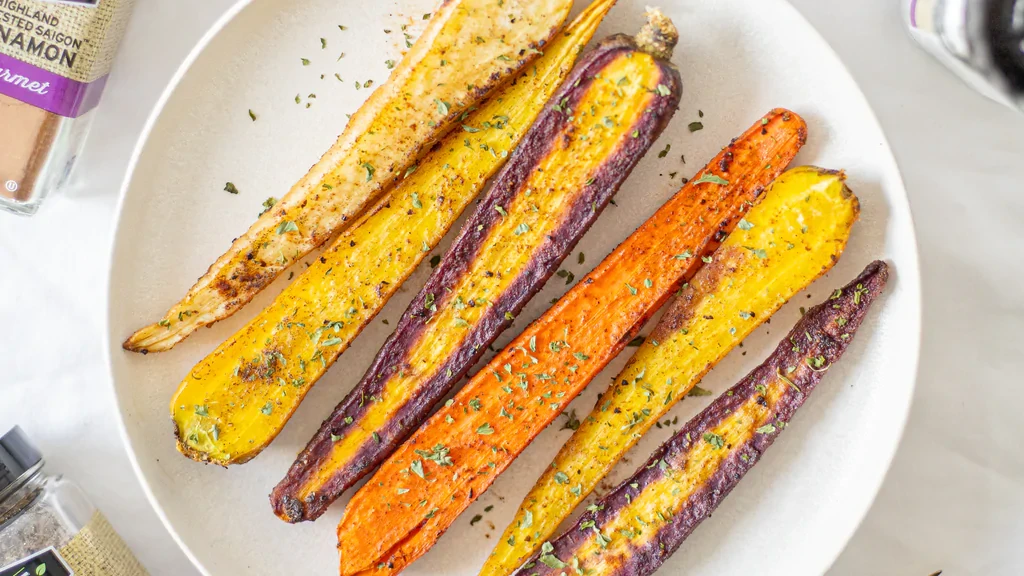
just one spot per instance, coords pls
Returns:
(19, 459)
(1006, 34)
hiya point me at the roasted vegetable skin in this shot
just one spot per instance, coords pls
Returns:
(482, 43)
(635, 528)
(237, 399)
(795, 235)
(550, 193)
(571, 343)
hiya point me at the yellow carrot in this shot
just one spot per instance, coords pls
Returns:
(792, 237)
(234, 402)
(483, 42)
(503, 408)
(634, 529)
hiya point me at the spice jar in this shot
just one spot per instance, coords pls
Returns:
(47, 525)
(982, 41)
(54, 61)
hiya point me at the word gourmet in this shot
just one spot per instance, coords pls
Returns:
(10, 77)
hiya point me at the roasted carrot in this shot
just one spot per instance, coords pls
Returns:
(499, 412)
(468, 49)
(234, 402)
(792, 237)
(635, 528)
(569, 165)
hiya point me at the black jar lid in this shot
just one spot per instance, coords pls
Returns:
(1005, 30)
(19, 459)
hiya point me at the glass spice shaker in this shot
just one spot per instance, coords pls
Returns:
(47, 525)
(54, 61)
(981, 40)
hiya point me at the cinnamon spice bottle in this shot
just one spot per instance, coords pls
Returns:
(54, 61)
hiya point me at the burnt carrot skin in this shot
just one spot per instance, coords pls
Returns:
(552, 190)
(503, 408)
(635, 528)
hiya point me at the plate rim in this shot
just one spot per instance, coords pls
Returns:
(909, 273)
(109, 341)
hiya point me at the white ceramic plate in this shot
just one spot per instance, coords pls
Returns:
(794, 512)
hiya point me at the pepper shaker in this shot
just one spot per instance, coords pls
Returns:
(982, 41)
(47, 525)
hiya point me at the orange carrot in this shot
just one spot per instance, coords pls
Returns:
(417, 494)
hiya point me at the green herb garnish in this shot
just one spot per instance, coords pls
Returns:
(709, 177)
(714, 439)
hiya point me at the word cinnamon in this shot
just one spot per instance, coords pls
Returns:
(54, 62)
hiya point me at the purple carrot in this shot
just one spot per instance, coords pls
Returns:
(614, 538)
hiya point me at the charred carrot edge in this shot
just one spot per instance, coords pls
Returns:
(484, 43)
(558, 181)
(796, 234)
(635, 528)
(234, 402)
(503, 408)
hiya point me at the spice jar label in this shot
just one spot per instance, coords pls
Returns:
(45, 563)
(56, 55)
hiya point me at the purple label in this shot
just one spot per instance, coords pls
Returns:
(51, 92)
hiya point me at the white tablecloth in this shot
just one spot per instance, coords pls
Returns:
(954, 499)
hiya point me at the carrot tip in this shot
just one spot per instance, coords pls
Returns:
(659, 36)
